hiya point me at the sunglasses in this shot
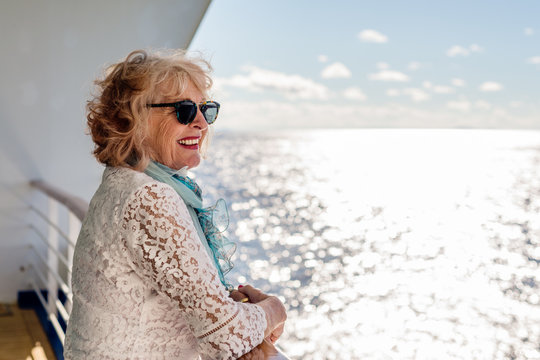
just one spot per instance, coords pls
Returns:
(186, 110)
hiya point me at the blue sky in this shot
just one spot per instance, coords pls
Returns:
(296, 64)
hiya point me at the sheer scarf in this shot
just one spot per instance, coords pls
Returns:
(210, 222)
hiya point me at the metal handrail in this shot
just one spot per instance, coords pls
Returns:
(65, 288)
(56, 227)
(76, 205)
(58, 253)
(54, 256)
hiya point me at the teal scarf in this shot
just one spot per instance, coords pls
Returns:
(210, 222)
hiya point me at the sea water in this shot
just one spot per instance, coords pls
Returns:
(388, 244)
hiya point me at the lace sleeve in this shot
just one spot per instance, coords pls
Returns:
(163, 245)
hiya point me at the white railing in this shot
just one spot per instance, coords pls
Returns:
(52, 270)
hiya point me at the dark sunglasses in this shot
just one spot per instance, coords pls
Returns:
(186, 110)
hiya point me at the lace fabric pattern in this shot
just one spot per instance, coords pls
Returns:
(144, 286)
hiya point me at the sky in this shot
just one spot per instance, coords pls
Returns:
(373, 64)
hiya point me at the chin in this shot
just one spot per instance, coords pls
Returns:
(194, 165)
(191, 163)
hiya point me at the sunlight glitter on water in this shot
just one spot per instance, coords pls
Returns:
(389, 244)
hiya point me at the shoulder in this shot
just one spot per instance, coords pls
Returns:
(125, 186)
(130, 181)
(138, 189)
(124, 177)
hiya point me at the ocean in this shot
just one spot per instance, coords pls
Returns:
(388, 244)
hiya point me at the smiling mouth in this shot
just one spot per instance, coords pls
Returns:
(188, 142)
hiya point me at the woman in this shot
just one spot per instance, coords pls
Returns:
(149, 265)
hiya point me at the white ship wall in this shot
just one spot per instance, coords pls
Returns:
(50, 53)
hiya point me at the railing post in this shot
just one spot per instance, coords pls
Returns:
(52, 258)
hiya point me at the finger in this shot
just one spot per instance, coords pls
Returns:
(250, 291)
(245, 288)
(276, 334)
(237, 295)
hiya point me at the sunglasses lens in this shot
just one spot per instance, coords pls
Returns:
(185, 113)
(210, 112)
(210, 115)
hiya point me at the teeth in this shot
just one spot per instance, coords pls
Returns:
(189, 142)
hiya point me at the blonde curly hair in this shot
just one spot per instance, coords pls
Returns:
(117, 116)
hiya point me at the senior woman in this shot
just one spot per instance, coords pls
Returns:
(149, 264)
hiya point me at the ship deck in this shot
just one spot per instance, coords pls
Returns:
(21, 335)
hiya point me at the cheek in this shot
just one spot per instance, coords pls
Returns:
(168, 141)
(162, 138)
(153, 136)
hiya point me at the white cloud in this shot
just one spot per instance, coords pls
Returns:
(290, 86)
(458, 50)
(354, 93)
(482, 105)
(475, 48)
(528, 31)
(389, 75)
(315, 114)
(534, 60)
(490, 86)
(461, 105)
(322, 58)
(335, 71)
(382, 65)
(458, 82)
(372, 36)
(414, 65)
(416, 95)
(516, 104)
(440, 89)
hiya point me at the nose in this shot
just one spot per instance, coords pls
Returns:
(199, 121)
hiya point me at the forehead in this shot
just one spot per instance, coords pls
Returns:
(172, 91)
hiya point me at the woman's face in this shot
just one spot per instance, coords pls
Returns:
(173, 144)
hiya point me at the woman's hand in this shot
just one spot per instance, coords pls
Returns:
(248, 293)
(276, 333)
(254, 295)
(238, 296)
(255, 354)
(272, 306)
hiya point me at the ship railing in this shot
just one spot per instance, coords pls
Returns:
(59, 239)
(60, 242)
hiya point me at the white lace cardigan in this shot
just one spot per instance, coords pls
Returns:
(144, 286)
